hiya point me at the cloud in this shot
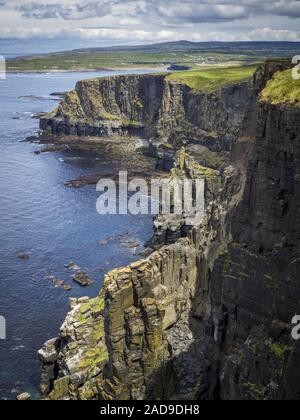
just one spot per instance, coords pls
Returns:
(129, 22)
(196, 13)
(76, 11)
(264, 34)
(268, 34)
(168, 11)
(284, 8)
(126, 36)
(90, 33)
(138, 21)
(204, 11)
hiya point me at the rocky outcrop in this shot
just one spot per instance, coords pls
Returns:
(147, 307)
(208, 316)
(73, 363)
(150, 106)
(254, 290)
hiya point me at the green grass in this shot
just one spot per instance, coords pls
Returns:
(279, 350)
(212, 79)
(282, 89)
(204, 171)
(194, 55)
(71, 61)
(131, 123)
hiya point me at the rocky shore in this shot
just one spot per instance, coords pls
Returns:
(208, 314)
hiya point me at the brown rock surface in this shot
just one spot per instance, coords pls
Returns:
(207, 316)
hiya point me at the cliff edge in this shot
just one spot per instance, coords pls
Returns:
(209, 316)
(151, 106)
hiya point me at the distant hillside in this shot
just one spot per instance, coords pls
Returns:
(263, 49)
(182, 53)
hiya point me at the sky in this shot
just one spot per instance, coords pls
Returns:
(61, 24)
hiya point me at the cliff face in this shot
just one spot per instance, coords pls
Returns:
(150, 106)
(208, 317)
(255, 284)
(254, 288)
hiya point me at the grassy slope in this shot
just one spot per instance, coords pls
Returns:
(155, 55)
(105, 60)
(282, 89)
(211, 79)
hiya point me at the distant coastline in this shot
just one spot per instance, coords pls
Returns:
(84, 70)
(157, 56)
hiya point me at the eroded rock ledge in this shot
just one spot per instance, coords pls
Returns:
(209, 316)
(150, 106)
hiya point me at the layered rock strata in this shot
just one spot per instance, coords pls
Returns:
(150, 106)
(209, 316)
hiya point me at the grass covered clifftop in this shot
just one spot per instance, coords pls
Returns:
(102, 98)
(74, 61)
(212, 79)
(282, 89)
(154, 105)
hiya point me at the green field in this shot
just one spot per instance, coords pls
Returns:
(211, 79)
(182, 53)
(117, 60)
(282, 89)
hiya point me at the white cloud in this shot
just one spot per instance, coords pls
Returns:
(265, 34)
(138, 21)
(76, 11)
(90, 33)
(268, 34)
(168, 10)
(140, 35)
(129, 22)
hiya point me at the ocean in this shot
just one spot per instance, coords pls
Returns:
(50, 224)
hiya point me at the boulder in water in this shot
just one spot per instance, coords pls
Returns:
(24, 397)
(82, 279)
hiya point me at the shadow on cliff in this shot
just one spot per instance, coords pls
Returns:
(241, 315)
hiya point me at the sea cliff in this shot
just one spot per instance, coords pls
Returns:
(207, 316)
(151, 106)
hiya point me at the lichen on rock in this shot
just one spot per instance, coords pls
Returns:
(79, 354)
(207, 315)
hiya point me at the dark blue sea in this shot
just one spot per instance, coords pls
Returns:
(51, 224)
